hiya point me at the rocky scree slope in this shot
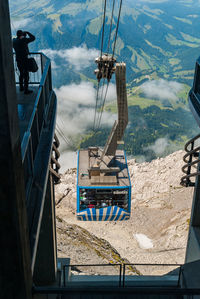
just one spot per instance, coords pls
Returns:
(156, 232)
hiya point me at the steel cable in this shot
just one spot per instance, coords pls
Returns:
(102, 107)
(97, 122)
(101, 45)
(101, 102)
(97, 95)
(102, 36)
(117, 28)
(66, 139)
(119, 14)
(113, 6)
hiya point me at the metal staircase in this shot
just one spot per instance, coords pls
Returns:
(191, 158)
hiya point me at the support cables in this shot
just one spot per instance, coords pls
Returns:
(95, 113)
(102, 39)
(111, 21)
(102, 107)
(66, 139)
(120, 7)
(101, 98)
(102, 36)
(101, 103)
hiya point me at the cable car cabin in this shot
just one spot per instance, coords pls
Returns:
(103, 193)
(103, 182)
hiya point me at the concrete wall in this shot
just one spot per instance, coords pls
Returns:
(15, 270)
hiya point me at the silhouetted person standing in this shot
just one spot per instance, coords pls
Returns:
(20, 44)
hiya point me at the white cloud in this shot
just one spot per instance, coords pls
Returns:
(68, 160)
(161, 89)
(159, 146)
(83, 93)
(50, 53)
(111, 94)
(20, 24)
(143, 241)
(79, 57)
(76, 108)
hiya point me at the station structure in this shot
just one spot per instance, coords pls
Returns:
(29, 266)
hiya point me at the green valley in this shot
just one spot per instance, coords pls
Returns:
(158, 40)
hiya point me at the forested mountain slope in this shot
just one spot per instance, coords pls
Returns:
(158, 40)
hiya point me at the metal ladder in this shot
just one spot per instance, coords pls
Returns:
(192, 159)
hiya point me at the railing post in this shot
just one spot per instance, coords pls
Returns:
(37, 126)
(50, 78)
(42, 66)
(31, 154)
(124, 265)
(120, 275)
(179, 276)
(64, 276)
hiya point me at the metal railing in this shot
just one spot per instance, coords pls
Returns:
(38, 117)
(152, 270)
(120, 286)
(124, 271)
(89, 268)
(34, 78)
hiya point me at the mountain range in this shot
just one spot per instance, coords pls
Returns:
(154, 36)
(158, 40)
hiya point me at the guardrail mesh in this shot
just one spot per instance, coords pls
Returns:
(34, 78)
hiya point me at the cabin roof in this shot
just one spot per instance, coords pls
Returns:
(122, 176)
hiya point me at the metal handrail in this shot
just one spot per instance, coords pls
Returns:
(94, 265)
(42, 83)
(153, 265)
(122, 273)
(121, 289)
(32, 76)
(38, 117)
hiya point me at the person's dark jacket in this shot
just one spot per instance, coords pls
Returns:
(20, 46)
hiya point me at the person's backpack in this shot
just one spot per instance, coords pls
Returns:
(32, 65)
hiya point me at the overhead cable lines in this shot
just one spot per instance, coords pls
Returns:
(66, 139)
(102, 36)
(116, 32)
(102, 107)
(105, 62)
(100, 104)
(97, 95)
(111, 22)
